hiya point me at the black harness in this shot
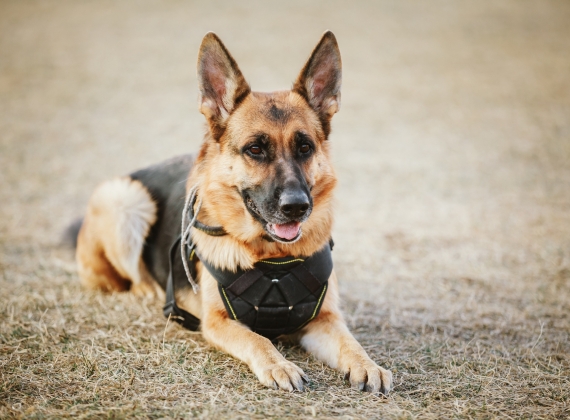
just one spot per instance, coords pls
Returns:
(277, 296)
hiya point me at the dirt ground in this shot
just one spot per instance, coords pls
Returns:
(453, 210)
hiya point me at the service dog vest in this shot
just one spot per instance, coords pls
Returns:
(277, 296)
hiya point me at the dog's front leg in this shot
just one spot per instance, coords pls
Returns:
(232, 337)
(329, 339)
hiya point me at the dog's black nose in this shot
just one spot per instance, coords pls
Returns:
(294, 204)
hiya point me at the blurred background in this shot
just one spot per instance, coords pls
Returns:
(452, 148)
(452, 145)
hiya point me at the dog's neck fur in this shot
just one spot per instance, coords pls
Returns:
(245, 243)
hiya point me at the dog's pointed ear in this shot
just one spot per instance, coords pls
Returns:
(222, 86)
(319, 81)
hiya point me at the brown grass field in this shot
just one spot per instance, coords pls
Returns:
(453, 209)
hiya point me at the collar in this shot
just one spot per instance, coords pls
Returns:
(189, 209)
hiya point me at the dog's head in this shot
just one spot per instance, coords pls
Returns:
(268, 153)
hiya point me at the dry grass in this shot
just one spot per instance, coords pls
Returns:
(453, 228)
(68, 353)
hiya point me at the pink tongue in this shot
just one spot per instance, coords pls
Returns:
(287, 230)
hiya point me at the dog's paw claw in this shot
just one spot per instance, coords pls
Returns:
(370, 377)
(284, 375)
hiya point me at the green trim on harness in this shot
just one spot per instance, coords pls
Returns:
(229, 304)
(277, 296)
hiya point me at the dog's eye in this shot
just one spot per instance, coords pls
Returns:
(304, 148)
(255, 150)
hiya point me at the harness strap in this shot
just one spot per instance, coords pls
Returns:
(171, 309)
(307, 278)
(246, 280)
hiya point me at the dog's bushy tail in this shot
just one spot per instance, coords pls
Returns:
(69, 237)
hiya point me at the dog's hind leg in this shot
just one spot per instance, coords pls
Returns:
(110, 243)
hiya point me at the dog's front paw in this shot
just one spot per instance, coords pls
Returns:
(365, 375)
(282, 375)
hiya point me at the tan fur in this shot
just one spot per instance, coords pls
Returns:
(272, 369)
(121, 213)
(328, 338)
(218, 169)
(119, 216)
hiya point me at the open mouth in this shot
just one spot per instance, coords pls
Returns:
(286, 231)
(280, 232)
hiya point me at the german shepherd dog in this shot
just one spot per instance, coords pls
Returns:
(264, 175)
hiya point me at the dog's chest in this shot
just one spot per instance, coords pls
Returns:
(277, 296)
